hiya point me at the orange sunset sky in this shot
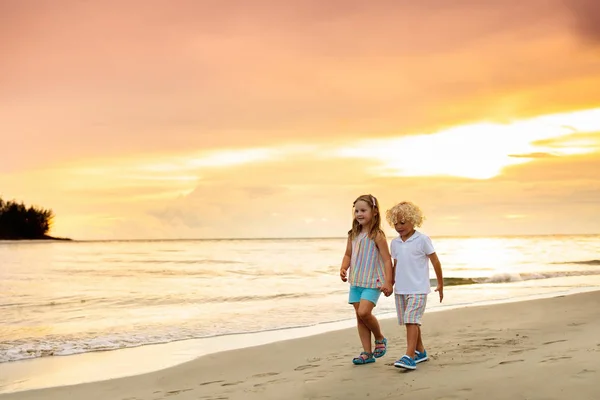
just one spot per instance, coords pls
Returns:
(201, 119)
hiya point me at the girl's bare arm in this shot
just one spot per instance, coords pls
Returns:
(346, 260)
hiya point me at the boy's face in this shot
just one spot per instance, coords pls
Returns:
(363, 213)
(404, 227)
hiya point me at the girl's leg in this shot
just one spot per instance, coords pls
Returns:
(412, 338)
(364, 313)
(364, 333)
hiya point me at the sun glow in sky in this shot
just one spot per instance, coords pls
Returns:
(267, 119)
(478, 151)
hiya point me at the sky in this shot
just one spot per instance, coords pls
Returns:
(212, 119)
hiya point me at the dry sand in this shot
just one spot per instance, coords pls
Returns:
(540, 349)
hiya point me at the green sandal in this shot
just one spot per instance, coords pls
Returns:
(364, 358)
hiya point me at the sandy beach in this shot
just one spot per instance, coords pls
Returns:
(539, 349)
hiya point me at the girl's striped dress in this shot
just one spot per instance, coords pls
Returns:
(366, 265)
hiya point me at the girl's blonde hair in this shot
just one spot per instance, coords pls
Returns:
(375, 228)
(405, 211)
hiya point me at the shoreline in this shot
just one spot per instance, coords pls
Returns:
(494, 352)
(389, 237)
(93, 367)
(42, 238)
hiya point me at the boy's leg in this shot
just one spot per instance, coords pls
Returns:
(400, 300)
(415, 307)
(420, 346)
(412, 337)
(364, 333)
(400, 308)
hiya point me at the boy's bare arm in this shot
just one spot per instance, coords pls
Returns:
(437, 267)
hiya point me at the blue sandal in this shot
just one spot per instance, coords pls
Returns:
(406, 362)
(364, 358)
(420, 357)
(380, 348)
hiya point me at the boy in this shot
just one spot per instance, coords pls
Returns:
(411, 252)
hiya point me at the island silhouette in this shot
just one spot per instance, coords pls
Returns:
(21, 222)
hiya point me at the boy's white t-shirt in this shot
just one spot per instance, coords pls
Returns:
(412, 266)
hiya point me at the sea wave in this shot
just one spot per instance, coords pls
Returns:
(62, 346)
(56, 345)
(513, 277)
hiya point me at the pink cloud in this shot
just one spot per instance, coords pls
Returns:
(88, 79)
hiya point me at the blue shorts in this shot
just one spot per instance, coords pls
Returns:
(358, 293)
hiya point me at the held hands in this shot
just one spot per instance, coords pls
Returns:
(440, 290)
(344, 274)
(387, 289)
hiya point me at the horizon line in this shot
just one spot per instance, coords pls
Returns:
(315, 238)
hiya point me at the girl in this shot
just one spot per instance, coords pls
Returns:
(368, 259)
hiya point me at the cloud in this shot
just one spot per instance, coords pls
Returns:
(587, 18)
(269, 73)
(582, 168)
(550, 195)
(533, 155)
(589, 139)
(177, 217)
(478, 151)
(274, 191)
(233, 113)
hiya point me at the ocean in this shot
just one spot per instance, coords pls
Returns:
(63, 298)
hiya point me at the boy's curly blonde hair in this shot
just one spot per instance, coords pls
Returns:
(405, 211)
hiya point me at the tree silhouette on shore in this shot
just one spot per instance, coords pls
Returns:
(18, 221)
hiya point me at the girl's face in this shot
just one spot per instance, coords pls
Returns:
(363, 213)
(404, 227)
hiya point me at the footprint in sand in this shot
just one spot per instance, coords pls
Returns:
(586, 371)
(310, 381)
(269, 382)
(210, 382)
(303, 367)
(172, 392)
(509, 362)
(554, 341)
(419, 389)
(556, 359)
(265, 374)
(232, 383)
(522, 350)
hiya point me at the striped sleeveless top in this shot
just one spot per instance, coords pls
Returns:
(366, 264)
